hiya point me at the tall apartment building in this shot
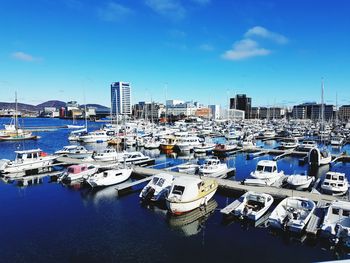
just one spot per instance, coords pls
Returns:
(242, 102)
(121, 98)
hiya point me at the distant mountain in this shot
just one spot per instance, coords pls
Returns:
(51, 103)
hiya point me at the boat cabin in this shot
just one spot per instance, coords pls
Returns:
(266, 166)
(29, 155)
(80, 168)
(335, 179)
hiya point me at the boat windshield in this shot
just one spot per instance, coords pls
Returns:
(160, 182)
(178, 189)
(155, 180)
(328, 176)
(260, 168)
(269, 169)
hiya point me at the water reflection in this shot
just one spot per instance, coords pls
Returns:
(193, 222)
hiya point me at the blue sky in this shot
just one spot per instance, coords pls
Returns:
(202, 50)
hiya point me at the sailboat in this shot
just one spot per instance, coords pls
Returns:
(13, 132)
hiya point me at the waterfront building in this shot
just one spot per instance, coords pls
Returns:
(242, 102)
(268, 113)
(121, 98)
(233, 114)
(150, 111)
(344, 113)
(214, 111)
(181, 109)
(299, 112)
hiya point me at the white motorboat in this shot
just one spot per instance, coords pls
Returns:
(78, 172)
(337, 141)
(319, 157)
(266, 171)
(335, 183)
(152, 144)
(135, 158)
(109, 177)
(109, 154)
(253, 205)
(187, 194)
(158, 188)
(233, 135)
(336, 222)
(187, 143)
(307, 145)
(212, 167)
(25, 161)
(248, 142)
(74, 151)
(204, 147)
(292, 213)
(300, 182)
(289, 143)
(189, 168)
(75, 135)
(95, 137)
(269, 133)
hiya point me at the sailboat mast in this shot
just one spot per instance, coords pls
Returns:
(16, 112)
(322, 104)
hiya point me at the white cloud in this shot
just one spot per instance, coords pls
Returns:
(113, 12)
(206, 47)
(264, 33)
(168, 8)
(19, 55)
(245, 48)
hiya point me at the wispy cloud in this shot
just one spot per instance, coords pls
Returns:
(249, 46)
(113, 12)
(19, 55)
(259, 31)
(169, 8)
(245, 48)
(206, 47)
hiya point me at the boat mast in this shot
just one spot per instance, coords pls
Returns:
(16, 113)
(322, 105)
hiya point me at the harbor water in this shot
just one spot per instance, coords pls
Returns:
(50, 222)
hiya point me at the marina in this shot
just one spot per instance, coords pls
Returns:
(232, 183)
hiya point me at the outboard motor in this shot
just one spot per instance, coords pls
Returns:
(148, 194)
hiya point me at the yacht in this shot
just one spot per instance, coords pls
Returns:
(167, 143)
(337, 141)
(187, 143)
(107, 155)
(318, 157)
(292, 213)
(152, 144)
(266, 173)
(74, 151)
(95, 137)
(307, 145)
(158, 188)
(212, 167)
(253, 205)
(269, 133)
(189, 168)
(300, 182)
(335, 183)
(25, 161)
(75, 135)
(109, 177)
(336, 222)
(204, 147)
(289, 143)
(222, 149)
(187, 194)
(78, 172)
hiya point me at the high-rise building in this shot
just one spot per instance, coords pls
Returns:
(215, 111)
(121, 98)
(242, 102)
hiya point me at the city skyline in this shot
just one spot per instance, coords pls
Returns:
(198, 50)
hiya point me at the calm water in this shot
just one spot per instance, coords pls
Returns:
(53, 223)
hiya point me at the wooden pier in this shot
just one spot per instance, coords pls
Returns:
(316, 218)
(236, 186)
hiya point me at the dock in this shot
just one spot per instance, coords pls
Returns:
(316, 218)
(279, 193)
(228, 209)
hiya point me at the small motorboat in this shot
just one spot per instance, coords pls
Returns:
(74, 151)
(292, 213)
(335, 183)
(336, 222)
(222, 149)
(108, 154)
(253, 205)
(318, 157)
(289, 143)
(188, 168)
(109, 177)
(267, 172)
(300, 182)
(204, 147)
(188, 193)
(158, 188)
(78, 172)
(212, 167)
